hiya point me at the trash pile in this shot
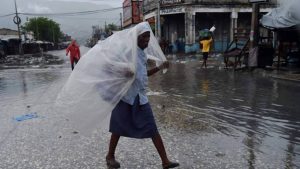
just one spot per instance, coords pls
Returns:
(31, 59)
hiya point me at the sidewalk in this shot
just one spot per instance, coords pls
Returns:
(291, 75)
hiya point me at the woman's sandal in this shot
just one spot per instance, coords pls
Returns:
(171, 165)
(112, 163)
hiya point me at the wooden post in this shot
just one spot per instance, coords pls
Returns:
(121, 21)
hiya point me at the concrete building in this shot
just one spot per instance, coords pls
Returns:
(181, 20)
(132, 12)
(11, 42)
(6, 34)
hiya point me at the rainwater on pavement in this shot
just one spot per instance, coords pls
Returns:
(208, 118)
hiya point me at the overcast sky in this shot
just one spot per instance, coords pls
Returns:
(76, 26)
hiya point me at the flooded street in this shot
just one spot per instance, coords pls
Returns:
(209, 118)
(251, 116)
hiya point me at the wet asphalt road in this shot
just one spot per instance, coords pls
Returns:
(208, 118)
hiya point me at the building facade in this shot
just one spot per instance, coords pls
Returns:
(132, 12)
(181, 20)
(6, 34)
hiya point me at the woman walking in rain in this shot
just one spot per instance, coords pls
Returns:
(133, 117)
(110, 81)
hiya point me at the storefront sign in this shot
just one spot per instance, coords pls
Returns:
(174, 10)
(137, 12)
(127, 10)
(166, 2)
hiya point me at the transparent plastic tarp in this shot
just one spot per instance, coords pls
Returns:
(285, 16)
(98, 81)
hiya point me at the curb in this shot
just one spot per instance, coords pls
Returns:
(283, 78)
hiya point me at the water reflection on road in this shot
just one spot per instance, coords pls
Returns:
(263, 112)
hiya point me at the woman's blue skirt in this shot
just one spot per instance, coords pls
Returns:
(134, 121)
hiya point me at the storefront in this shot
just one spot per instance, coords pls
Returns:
(181, 21)
(221, 21)
(172, 29)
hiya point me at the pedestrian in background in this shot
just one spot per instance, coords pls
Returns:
(205, 44)
(74, 51)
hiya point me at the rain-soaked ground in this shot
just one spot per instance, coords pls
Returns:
(209, 118)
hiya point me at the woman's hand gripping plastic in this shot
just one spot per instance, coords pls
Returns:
(164, 66)
(128, 72)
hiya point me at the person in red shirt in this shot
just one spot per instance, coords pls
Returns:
(74, 51)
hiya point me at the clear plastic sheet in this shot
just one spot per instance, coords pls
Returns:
(99, 80)
(285, 16)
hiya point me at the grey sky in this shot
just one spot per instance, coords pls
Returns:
(77, 26)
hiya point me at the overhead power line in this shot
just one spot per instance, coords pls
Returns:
(2, 16)
(67, 13)
(83, 18)
(73, 13)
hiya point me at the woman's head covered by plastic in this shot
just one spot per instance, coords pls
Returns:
(143, 30)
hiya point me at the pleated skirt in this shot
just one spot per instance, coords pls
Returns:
(134, 121)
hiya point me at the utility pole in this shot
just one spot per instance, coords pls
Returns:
(158, 21)
(121, 21)
(17, 21)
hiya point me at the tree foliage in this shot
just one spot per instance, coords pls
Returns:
(111, 27)
(44, 29)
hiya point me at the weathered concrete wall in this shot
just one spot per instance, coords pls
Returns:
(5, 31)
(150, 5)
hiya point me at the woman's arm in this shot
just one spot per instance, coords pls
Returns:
(156, 69)
(120, 69)
(67, 50)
